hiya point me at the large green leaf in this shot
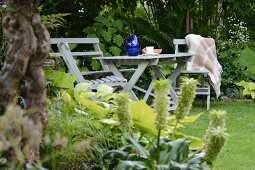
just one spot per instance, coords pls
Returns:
(118, 39)
(95, 65)
(241, 83)
(179, 151)
(92, 35)
(118, 24)
(127, 165)
(103, 20)
(61, 79)
(143, 117)
(115, 50)
(93, 106)
(139, 148)
(195, 142)
(190, 119)
(253, 95)
(107, 35)
(112, 30)
(246, 91)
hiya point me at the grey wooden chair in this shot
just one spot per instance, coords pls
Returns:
(203, 86)
(69, 59)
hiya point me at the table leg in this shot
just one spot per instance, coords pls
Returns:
(133, 80)
(174, 74)
(148, 92)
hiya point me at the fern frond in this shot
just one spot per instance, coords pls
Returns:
(54, 21)
(167, 38)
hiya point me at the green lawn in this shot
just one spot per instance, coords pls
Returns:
(239, 151)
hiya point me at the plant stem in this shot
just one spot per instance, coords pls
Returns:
(175, 127)
(192, 156)
(158, 138)
(158, 144)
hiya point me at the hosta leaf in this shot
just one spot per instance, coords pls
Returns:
(241, 83)
(100, 112)
(137, 165)
(251, 86)
(195, 142)
(143, 117)
(115, 50)
(118, 40)
(246, 91)
(189, 119)
(253, 95)
(179, 150)
(143, 152)
(107, 35)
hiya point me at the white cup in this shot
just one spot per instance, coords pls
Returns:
(149, 50)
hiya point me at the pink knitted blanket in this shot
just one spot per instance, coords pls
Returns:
(206, 59)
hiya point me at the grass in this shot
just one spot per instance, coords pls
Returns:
(239, 152)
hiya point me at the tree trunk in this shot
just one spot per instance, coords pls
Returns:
(28, 47)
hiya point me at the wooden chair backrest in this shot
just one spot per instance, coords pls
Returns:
(177, 43)
(96, 52)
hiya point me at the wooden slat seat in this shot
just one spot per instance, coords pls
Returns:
(68, 57)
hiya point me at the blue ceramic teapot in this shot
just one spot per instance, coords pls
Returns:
(132, 45)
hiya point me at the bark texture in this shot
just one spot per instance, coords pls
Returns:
(28, 47)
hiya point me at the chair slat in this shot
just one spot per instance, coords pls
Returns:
(205, 90)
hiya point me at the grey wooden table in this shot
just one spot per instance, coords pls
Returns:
(142, 62)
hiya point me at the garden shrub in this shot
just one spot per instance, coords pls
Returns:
(248, 88)
(231, 38)
(170, 152)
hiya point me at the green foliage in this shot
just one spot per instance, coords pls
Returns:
(247, 60)
(248, 88)
(164, 152)
(141, 155)
(60, 79)
(76, 117)
(151, 35)
(232, 70)
(54, 21)
(109, 30)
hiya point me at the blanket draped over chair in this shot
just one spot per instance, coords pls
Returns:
(206, 59)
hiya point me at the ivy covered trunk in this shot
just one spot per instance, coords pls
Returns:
(28, 47)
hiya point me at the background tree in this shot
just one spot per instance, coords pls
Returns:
(28, 47)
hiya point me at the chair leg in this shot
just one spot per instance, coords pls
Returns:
(208, 102)
(204, 99)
